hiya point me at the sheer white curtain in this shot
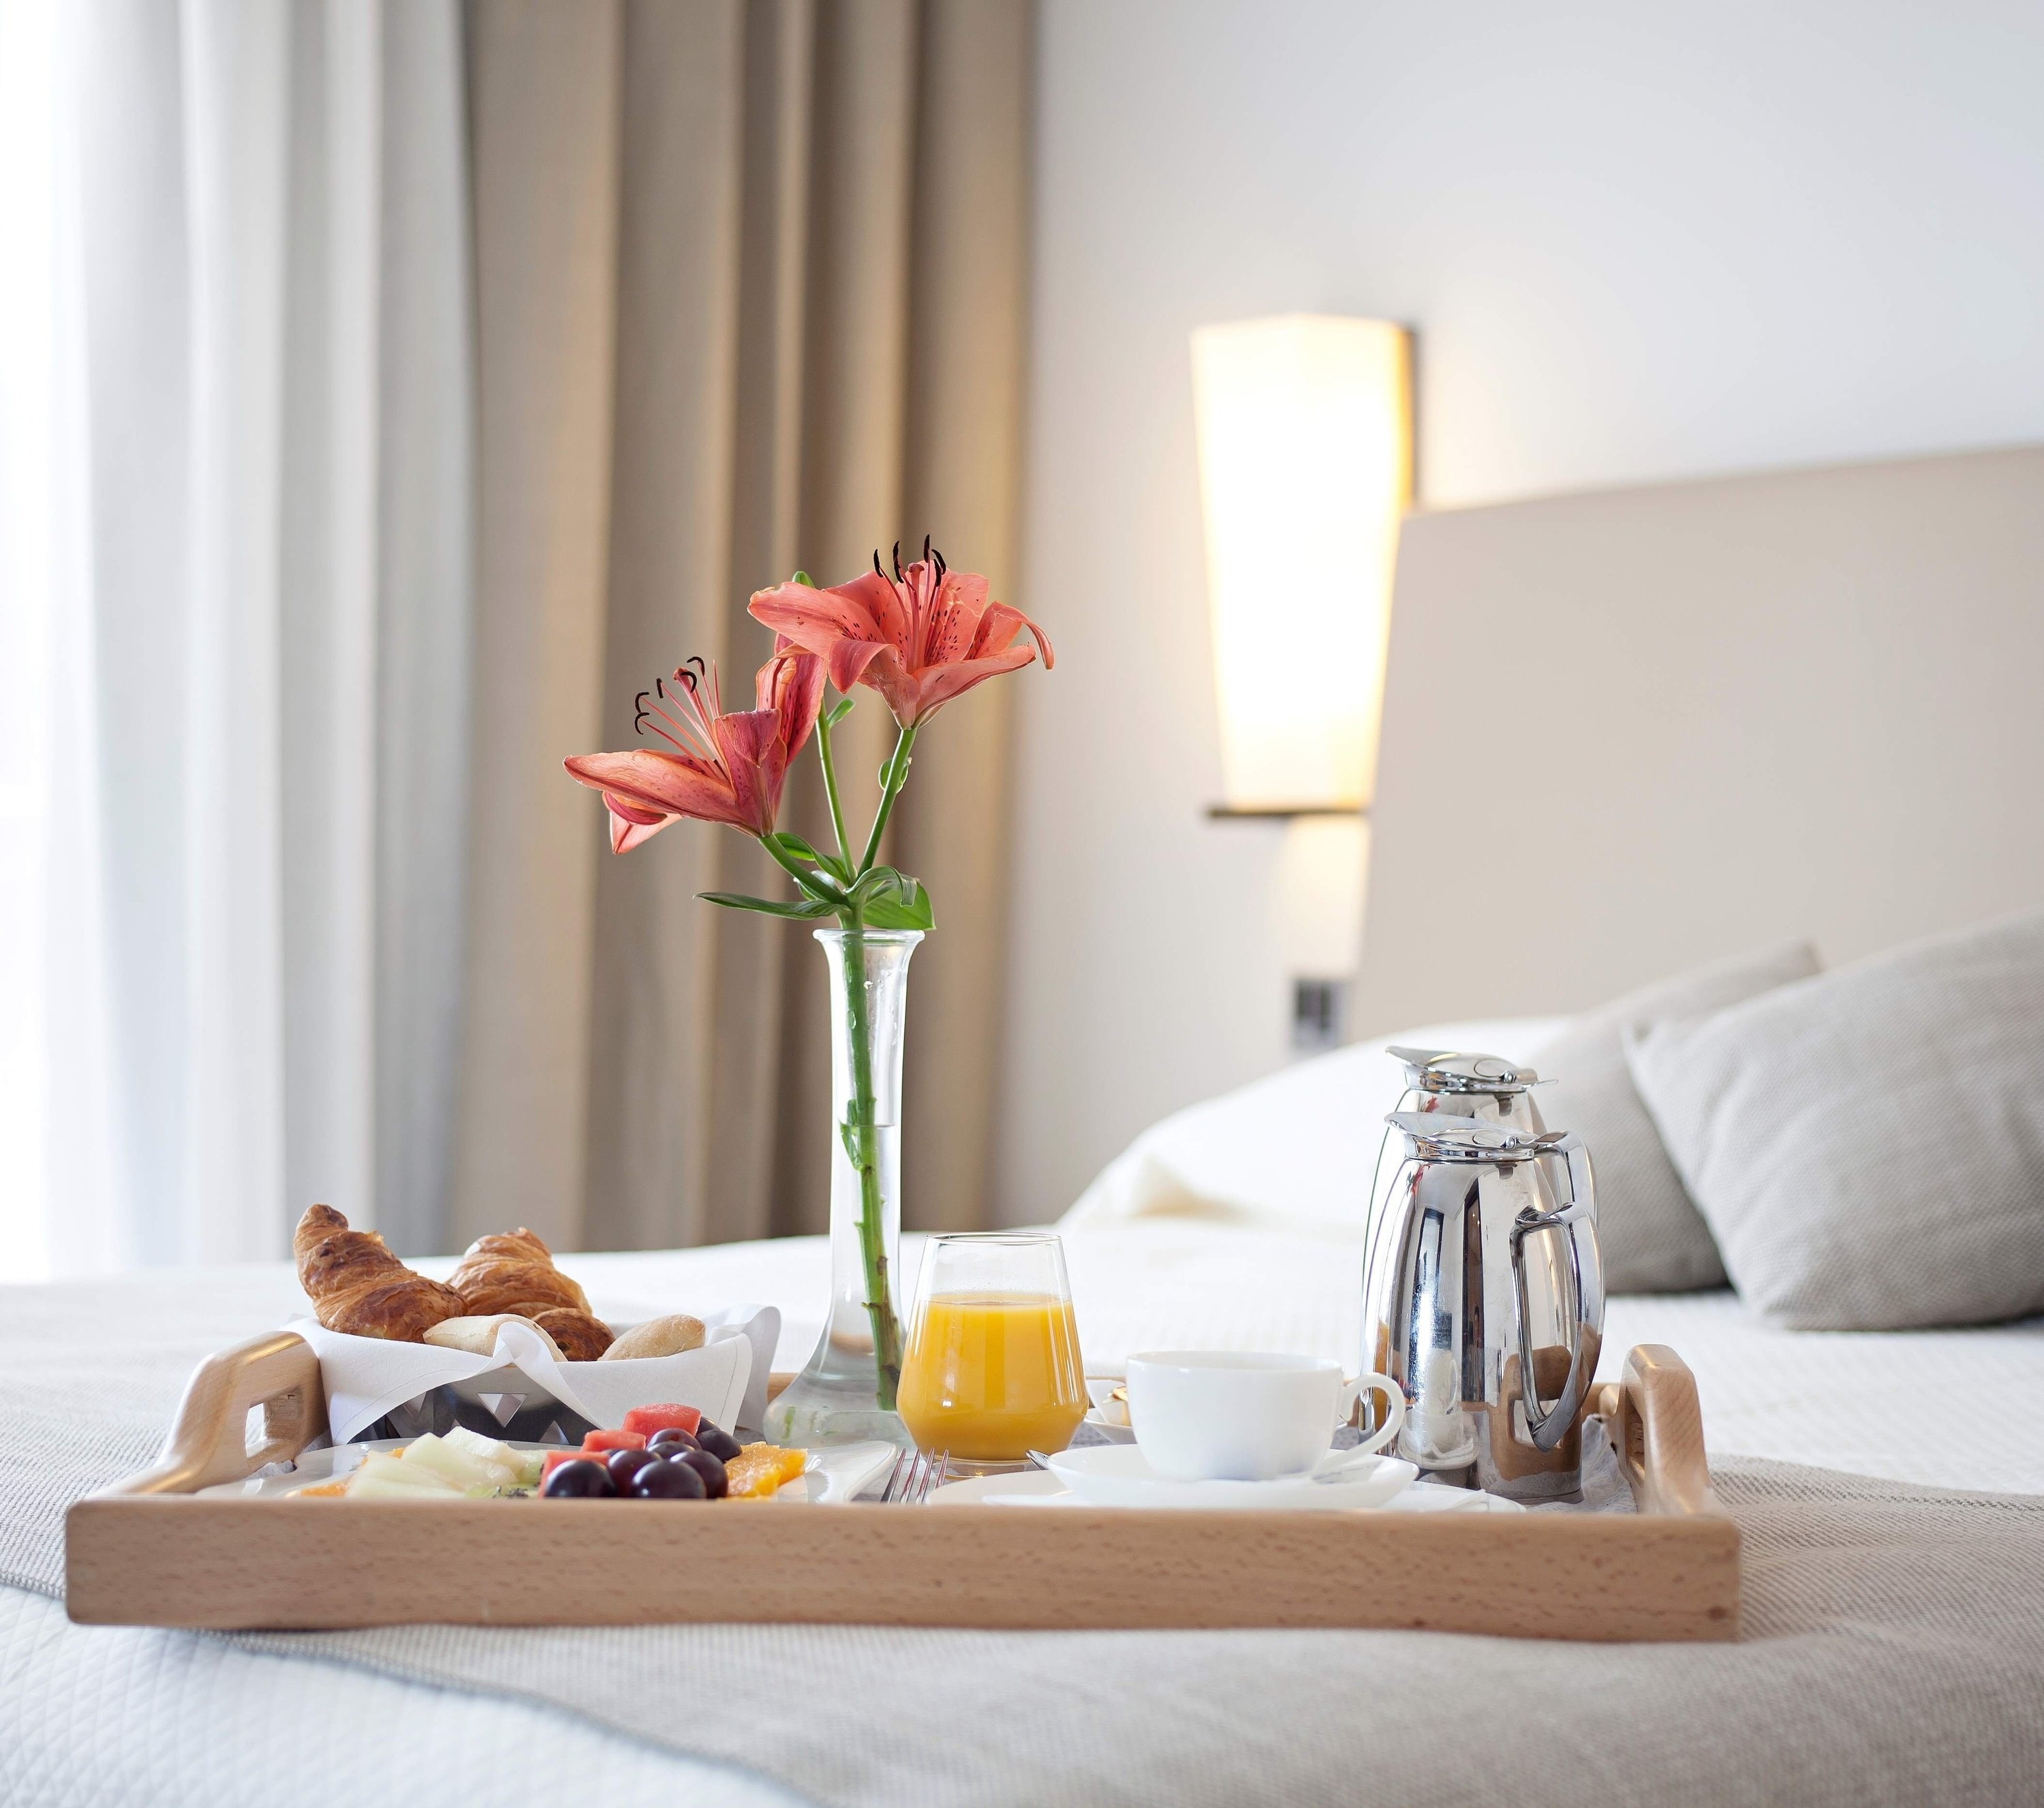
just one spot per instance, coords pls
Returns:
(235, 375)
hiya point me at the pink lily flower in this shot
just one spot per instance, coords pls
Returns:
(724, 768)
(920, 638)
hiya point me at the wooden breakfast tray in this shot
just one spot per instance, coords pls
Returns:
(147, 1552)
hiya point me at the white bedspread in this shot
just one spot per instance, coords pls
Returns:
(89, 1715)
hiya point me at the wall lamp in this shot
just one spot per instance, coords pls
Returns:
(1305, 439)
(1305, 433)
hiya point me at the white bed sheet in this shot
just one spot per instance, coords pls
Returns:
(133, 1717)
(94, 1714)
(123, 1714)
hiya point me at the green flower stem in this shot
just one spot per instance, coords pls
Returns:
(860, 1133)
(861, 1136)
(893, 775)
(811, 884)
(830, 785)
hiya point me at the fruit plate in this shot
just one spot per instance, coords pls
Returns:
(833, 1477)
(159, 1549)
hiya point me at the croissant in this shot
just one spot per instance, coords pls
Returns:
(514, 1272)
(357, 1285)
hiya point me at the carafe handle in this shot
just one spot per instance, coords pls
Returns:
(1577, 1222)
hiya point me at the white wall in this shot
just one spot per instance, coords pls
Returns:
(1637, 242)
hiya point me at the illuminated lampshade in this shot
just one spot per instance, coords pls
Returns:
(1305, 467)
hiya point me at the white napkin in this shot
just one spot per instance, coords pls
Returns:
(725, 1380)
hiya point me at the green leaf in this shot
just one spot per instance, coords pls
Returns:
(796, 847)
(819, 888)
(807, 910)
(891, 900)
(838, 711)
(805, 579)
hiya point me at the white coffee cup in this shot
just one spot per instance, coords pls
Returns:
(1225, 1415)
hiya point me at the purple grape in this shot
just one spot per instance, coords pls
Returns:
(716, 1440)
(579, 1480)
(622, 1465)
(662, 1480)
(670, 1438)
(710, 1468)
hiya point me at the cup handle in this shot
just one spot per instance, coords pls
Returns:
(1379, 1384)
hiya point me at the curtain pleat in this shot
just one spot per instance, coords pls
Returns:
(326, 599)
(749, 282)
(653, 1055)
(544, 91)
(425, 576)
(119, 1049)
(961, 477)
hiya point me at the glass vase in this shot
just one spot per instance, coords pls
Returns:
(847, 1393)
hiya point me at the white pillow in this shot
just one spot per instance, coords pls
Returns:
(1296, 1151)
(1867, 1145)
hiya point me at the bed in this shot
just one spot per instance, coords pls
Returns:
(1896, 1602)
(112, 1714)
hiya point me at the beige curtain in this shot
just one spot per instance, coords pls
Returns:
(749, 283)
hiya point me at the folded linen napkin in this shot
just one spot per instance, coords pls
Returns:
(725, 1379)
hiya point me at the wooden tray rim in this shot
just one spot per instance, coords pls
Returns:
(146, 1552)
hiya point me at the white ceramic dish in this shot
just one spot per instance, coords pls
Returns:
(1120, 1476)
(1245, 1415)
(1107, 1410)
(1035, 1488)
(833, 1476)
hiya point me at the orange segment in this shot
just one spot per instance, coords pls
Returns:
(759, 1469)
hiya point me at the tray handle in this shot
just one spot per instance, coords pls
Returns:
(1656, 1426)
(208, 1440)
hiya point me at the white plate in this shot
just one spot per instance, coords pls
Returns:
(1120, 1476)
(840, 1473)
(1036, 1488)
(833, 1476)
(1107, 1411)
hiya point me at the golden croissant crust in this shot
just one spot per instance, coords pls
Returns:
(581, 1336)
(358, 1287)
(513, 1272)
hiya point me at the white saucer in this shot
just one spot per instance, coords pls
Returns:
(1035, 1488)
(1120, 1476)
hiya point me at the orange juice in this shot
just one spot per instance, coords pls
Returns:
(991, 1376)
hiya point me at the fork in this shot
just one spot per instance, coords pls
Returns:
(915, 1476)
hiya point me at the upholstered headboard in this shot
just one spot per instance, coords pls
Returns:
(1629, 731)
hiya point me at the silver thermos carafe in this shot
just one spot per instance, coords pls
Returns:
(1483, 1297)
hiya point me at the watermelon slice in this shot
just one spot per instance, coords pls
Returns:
(647, 1419)
(555, 1458)
(593, 1442)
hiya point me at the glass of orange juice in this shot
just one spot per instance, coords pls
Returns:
(993, 1370)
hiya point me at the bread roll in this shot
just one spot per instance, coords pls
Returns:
(582, 1335)
(658, 1337)
(479, 1336)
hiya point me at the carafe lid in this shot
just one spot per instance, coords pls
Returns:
(1453, 1070)
(1437, 1137)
